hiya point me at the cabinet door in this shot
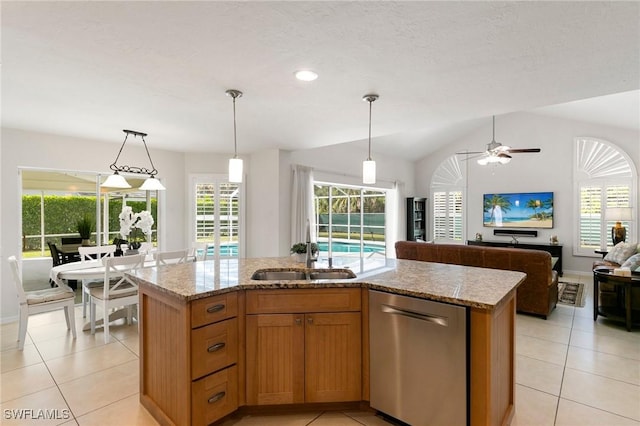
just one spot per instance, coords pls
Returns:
(333, 357)
(275, 359)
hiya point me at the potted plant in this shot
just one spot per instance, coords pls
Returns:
(299, 251)
(85, 227)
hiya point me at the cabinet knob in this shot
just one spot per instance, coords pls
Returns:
(216, 397)
(215, 308)
(216, 347)
(298, 321)
(310, 320)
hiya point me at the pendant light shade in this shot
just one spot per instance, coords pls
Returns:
(235, 163)
(235, 170)
(116, 181)
(119, 182)
(368, 165)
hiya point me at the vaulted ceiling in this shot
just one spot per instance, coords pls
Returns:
(91, 69)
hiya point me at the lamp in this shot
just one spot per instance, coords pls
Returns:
(118, 181)
(368, 165)
(235, 163)
(619, 214)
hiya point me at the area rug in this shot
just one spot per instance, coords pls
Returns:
(571, 294)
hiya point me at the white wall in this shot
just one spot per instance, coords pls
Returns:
(550, 170)
(31, 149)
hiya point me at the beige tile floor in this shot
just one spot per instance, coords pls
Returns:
(569, 371)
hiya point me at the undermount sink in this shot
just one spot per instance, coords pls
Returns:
(263, 275)
(328, 274)
(315, 274)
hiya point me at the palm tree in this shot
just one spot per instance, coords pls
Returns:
(534, 205)
(491, 204)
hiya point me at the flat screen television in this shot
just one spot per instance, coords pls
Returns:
(518, 210)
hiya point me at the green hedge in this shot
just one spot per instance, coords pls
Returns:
(61, 213)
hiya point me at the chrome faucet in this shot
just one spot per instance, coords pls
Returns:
(309, 258)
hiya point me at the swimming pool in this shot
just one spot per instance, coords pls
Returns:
(350, 247)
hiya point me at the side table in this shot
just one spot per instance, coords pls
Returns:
(626, 283)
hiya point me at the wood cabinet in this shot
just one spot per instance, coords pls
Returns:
(303, 346)
(416, 219)
(189, 357)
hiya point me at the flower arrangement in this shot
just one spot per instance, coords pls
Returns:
(131, 223)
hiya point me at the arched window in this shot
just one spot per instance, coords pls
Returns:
(604, 178)
(448, 187)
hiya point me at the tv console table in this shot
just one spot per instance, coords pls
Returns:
(554, 249)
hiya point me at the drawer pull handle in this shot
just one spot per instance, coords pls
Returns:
(215, 308)
(298, 321)
(216, 347)
(217, 397)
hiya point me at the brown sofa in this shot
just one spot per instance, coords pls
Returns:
(538, 294)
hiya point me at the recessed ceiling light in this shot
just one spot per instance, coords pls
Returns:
(306, 75)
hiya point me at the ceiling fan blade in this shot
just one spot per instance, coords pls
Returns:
(523, 150)
(470, 152)
(503, 155)
(471, 157)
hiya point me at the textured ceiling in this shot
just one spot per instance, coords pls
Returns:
(91, 69)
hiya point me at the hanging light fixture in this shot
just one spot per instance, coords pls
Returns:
(235, 163)
(368, 165)
(118, 181)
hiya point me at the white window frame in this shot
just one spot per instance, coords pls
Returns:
(600, 163)
(449, 178)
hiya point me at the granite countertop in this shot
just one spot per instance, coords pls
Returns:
(461, 285)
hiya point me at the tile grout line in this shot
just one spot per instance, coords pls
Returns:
(564, 367)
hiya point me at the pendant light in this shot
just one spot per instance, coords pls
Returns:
(235, 163)
(119, 182)
(368, 165)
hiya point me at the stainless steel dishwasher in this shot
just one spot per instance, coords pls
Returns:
(418, 360)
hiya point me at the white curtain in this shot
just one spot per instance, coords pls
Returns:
(302, 205)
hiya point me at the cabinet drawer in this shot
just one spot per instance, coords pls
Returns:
(303, 300)
(214, 308)
(214, 347)
(214, 396)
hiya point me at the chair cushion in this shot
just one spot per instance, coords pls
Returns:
(98, 293)
(48, 295)
(621, 252)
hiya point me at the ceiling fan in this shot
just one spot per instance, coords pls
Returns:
(497, 153)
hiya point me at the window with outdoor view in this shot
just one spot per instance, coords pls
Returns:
(447, 193)
(217, 218)
(350, 220)
(605, 178)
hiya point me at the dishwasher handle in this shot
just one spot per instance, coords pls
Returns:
(434, 319)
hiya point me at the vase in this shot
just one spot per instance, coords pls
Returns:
(300, 257)
(86, 242)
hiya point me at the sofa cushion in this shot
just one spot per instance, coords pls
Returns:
(621, 252)
(633, 262)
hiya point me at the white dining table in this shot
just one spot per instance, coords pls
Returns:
(90, 270)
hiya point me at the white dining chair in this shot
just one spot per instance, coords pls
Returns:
(170, 257)
(121, 290)
(199, 251)
(38, 301)
(89, 254)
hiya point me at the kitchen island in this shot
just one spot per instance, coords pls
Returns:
(212, 340)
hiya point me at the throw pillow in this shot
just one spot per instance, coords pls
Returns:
(633, 262)
(620, 252)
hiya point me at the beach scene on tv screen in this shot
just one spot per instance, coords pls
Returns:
(519, 210)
